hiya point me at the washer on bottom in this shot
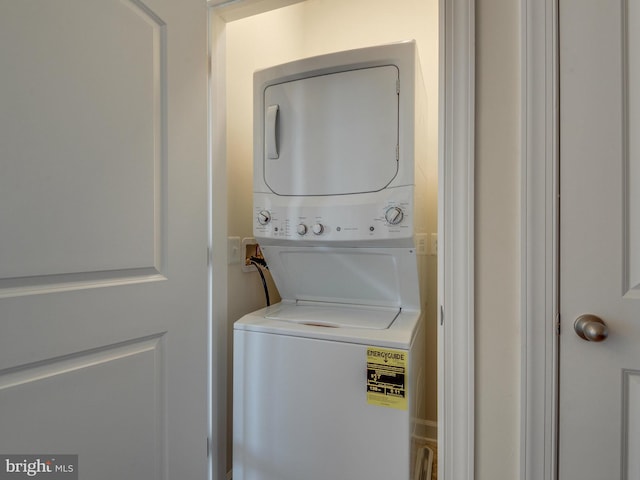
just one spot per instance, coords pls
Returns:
(305, 379)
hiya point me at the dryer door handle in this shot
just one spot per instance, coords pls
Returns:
(271, 131)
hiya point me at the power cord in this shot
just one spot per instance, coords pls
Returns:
(260, 263)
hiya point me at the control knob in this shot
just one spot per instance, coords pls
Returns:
(264, 217)
(302, 229)
(394, 215)
(318, 228)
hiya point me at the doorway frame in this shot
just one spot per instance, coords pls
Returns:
(456, 230)
(456, 375)
(539, 239)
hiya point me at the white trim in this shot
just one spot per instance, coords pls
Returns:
(456, 406)
(230, 10)
(539, 240)
(218, 249)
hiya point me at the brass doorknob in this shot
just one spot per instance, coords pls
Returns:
(591, 328)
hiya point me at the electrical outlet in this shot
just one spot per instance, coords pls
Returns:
(433, 247)
(421, 243)
(233, 250)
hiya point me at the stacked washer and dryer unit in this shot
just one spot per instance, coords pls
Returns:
(328, 382)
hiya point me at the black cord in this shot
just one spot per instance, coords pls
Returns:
(264, 281)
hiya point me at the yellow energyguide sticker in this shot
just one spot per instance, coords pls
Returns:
(387, 377)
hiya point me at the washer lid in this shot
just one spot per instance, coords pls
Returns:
(375, 277)
(334, 315)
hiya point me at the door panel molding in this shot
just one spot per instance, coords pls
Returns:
(630, 424)
(107, 132)
(630, 147)
(123, 387)
(18, 287)
(18, 375)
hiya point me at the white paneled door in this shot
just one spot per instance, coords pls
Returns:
(103, 235)
(599, 413)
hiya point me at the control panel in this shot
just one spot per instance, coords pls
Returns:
(379, 216)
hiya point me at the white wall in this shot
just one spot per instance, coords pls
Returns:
(310, 28)
(497, 240)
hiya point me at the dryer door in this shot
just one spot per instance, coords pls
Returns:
(332, 134)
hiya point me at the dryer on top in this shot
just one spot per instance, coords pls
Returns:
(332, 134)
(339, 144)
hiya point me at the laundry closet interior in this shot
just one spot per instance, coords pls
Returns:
(306, 29)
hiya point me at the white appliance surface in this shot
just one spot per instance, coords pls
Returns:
(336, 177)
(385, 277)
(341, 123)
(339, 149)
(336, 316)
(300, 402)
(332, 134)
(349, 324)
